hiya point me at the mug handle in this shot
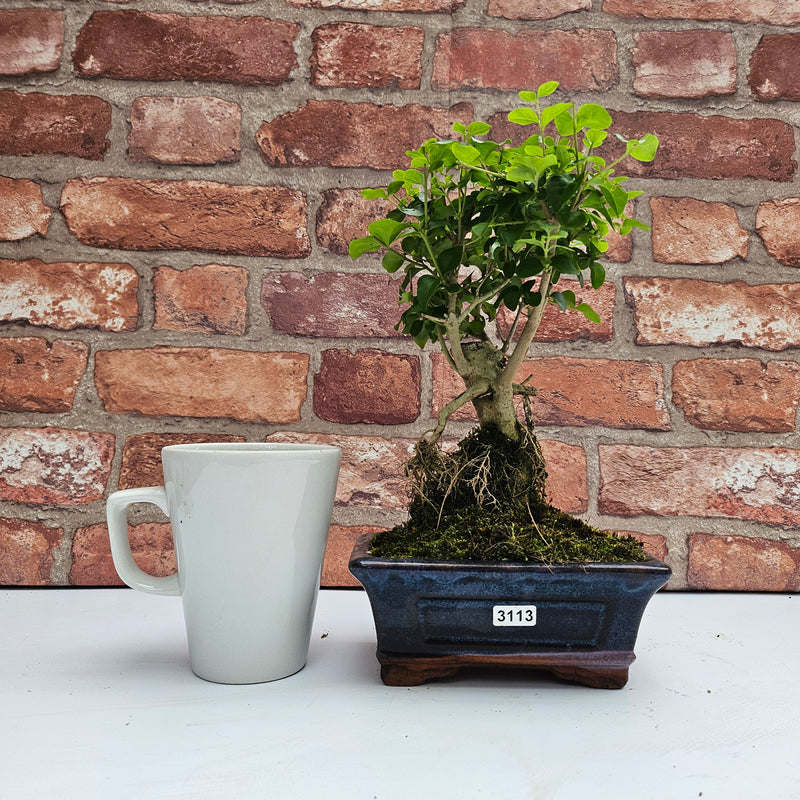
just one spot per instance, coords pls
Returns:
(117, 518)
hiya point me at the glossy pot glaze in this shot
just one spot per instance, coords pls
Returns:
(578, 621)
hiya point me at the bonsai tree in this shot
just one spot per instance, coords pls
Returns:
(483, 230)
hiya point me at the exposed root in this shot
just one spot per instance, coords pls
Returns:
(486, 501)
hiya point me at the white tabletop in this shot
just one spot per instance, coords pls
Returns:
(98, 701)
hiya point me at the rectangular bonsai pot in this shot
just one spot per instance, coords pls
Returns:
(434, 617)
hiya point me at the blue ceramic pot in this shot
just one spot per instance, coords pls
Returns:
(433, 618)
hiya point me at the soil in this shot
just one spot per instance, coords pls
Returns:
(486, 501)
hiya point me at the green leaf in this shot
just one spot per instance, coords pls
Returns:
(421, 339)
(480, 228)
(413, 176)
(560, 189)
(415, 210)
(511, 296)
(588, 312)
(523, 116)
(593, 116)
(529, 97)
(412, 244)
(644, 149)
(392, 261)
(597, 273)
(465, 153)
(426, 288)
(478, 128)
(373, 194)
(386, 231)
(394, 187)
(522, 173)
(560, 112)
(565, 263)
(476, 327)
(616, 198)
(546, 89)
(528, 267)
(559, 299)
(629, 224)
(450, 258)
(367, 244)
(594, 138)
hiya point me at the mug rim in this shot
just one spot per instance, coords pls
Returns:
(249, 447)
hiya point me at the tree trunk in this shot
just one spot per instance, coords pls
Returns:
(495, 407)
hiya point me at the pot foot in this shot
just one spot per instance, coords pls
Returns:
(599, 670)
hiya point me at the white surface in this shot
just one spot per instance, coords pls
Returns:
(98, 702)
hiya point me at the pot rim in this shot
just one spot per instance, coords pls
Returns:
(361, 558)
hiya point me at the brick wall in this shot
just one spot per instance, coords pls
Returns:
(178, 184)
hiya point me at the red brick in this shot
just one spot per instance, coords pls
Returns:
(774, 67)
(187, 215)
(689, 231)
(371, 474)
(559, 326)
(700, 63)
(92, 565)
(30, 40)
(356, 134)
(486, 58)
(763, 11)
(354, 56)
(620, 248)
(331, 304)
(141, 455)
(535, 9)
(713, 147)
(69, 295)
(184, 130)
(738, 394)
(37, 124)
(22, 211)
(203, 382)
(37, 375)
(655, 544)
(136, 45)
(26, 552)
(573, 391)
(46, 466)
(742, 564)
(345, 215)
(778, 225)
(341, 540)
(759, 484)
(701, 313)
(370, 386)
(207, 298)
(421, 6)
(567, 479)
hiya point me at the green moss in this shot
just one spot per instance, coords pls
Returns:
(486, 502)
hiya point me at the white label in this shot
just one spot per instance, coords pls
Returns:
(518, 616)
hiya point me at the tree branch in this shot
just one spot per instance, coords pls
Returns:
(517, 356)
(476, 390)
(482, 299)
(507, 341)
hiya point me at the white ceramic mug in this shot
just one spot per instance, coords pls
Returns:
(250, 522)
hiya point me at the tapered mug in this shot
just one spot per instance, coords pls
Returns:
(250, 523)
